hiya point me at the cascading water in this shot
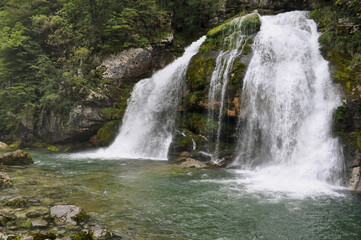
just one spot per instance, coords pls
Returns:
(148, 122)
(288, 100)
(232, 48)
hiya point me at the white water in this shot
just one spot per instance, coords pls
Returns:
(148, 123)
(288, 101)
(232, 48)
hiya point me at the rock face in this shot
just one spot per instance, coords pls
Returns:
(195, 118)
(18, 157)
(67, 214)
(130, 63)
(355, 180)
(5, 181)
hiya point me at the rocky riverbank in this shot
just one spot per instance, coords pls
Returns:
(40, 214)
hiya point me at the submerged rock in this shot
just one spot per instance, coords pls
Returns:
(6, 217)
(68, 214)
(17, 157)
(39, 224)
(5, 180)
(17, 202)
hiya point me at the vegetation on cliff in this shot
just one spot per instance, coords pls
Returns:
(339, 23)
(50, 50)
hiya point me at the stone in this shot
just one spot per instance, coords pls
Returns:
(39, 224)
(32, 215)
(27, 238)
(193, 163)
(64, 238)
(67, 214)
(18, 157)
(3, 146)
(102, 233)
(130, 63)
(17, 202)
(5, 180)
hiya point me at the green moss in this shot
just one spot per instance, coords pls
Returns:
(53, 148)
(15, 145)
(84, 236)
(81, 217)
(251, 24)
(200, 72)
(107, 133)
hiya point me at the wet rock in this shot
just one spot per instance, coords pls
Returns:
(5, 181)
(27, 238)
(64, 238)
(17, 157)
(192, 163)
(355, 181)
(202, 156)
(219, 164)
(39, 224)
(32, 215)
(68, 214)
(6, 217)
(102, 233)
(17, 202)
(3, 146)
(44, 235)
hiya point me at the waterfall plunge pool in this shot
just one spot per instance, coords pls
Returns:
(159, 200)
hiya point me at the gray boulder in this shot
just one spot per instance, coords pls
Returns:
(68, 214)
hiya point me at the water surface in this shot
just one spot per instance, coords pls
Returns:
(142, 199)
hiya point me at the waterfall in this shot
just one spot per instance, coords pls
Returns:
(232, 48)
(148, 122)
(288, 101)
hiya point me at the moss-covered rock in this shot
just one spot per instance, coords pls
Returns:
(106, 134)
(18, 157)
(84, 235)
(17, 202)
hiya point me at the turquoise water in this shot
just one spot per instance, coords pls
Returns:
(157, 200)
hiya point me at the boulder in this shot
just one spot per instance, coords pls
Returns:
(5, 180)
(68, 214)
(193, 163)
(3, 146)
(17, 157)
